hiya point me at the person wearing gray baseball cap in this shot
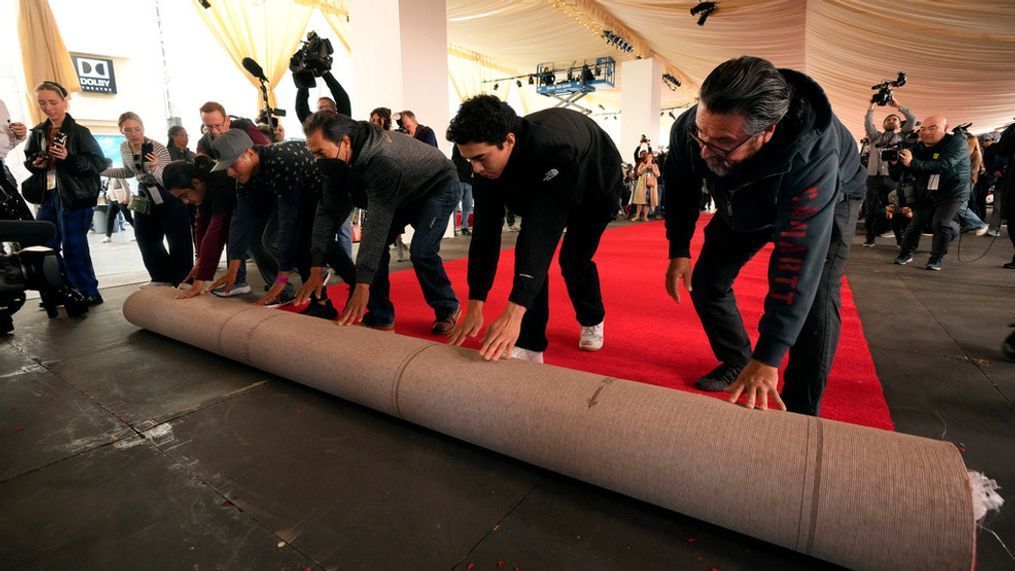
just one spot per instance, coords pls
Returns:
(271, 180)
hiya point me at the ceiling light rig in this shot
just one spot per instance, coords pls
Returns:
(617, 42)
(672, 82)
(703, 10)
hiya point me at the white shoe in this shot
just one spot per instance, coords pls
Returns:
(239, 288)
(107, 240)
(591, 337)
(526, 355)
(981, 230)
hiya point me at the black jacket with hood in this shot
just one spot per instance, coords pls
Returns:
(77, 176)
(562, 161)
(789, 188)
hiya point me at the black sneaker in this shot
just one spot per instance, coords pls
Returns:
(720, 378)
(94, 299)
(1009, 266)
(321, 308)
(903, 259)
(934, 264)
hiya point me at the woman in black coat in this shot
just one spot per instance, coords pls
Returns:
(65, 162)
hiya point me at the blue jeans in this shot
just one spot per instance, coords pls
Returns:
(429, 221)
(465, 197)
(72, 238)
(345, 235)
(968, 219)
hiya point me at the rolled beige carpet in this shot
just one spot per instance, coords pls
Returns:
(851, 495)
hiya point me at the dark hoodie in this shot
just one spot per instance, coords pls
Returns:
(789, 188)
(562, 162)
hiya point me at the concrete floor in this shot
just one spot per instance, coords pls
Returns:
(122, 449)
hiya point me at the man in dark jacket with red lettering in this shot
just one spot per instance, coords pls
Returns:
(782, 169)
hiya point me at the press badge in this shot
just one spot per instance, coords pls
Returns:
(933, 181)
(51, 179)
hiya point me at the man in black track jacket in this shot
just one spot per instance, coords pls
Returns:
(556, 169)
(782, 169)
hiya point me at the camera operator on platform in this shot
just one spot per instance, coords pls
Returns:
(940, 168)
(879, 183)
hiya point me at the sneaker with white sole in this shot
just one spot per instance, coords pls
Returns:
(107, 240)
(526, 355)
(591, 337)
(241, 288)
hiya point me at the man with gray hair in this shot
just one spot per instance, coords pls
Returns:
(782, 169)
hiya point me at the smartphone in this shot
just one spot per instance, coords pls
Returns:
(60, 139)
(147, 148)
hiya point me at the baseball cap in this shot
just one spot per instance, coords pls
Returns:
(228, 147)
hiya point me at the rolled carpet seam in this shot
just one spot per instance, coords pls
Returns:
(851, 495)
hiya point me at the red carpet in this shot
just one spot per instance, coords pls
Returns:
(649, 338)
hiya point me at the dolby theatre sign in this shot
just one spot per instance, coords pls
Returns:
(95, 74)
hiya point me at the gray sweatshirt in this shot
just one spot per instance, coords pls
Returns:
(389, 171)
(875, 167)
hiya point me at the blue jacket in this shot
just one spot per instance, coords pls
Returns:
(789, 188)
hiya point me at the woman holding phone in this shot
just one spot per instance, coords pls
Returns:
(65, 162)
(158, 214)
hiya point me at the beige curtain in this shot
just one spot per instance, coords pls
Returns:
(43, 52)
(267, 31)
(340, 25)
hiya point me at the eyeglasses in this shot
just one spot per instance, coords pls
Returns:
(724, 153)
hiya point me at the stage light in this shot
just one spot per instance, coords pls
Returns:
(672, 82)
(532, 80)
(496, 86)
(703, 10)
(518, 82)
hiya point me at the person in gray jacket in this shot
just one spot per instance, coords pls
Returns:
(879, 183)
(399, 181)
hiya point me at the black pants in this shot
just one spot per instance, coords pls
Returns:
(942, 221)
(810, 359)
(167, 221)
(585, 227)
(874, 222)
(113, 208)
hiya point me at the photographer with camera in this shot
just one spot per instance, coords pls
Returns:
(312, 60)
(410, 126)
(65, 162)
(159, 216)
(882, 144)
(940, 168)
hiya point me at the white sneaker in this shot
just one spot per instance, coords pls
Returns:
(591, 337)
(526, 355)
(239, 288)
(107, 240)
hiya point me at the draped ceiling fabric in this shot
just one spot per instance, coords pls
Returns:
(267, 31)
(959, 56)
(43, 53)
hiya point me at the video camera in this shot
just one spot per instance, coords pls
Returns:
(890, 152)
(34, 267)
(311, 60)
(884, 89)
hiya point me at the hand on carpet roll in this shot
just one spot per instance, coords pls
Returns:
(679, 269)
(758, 382)
(196, 289)
(502, 334)
(356, 307)
(228, 279)
(275, 290)
(469, 325)
(313, 286)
